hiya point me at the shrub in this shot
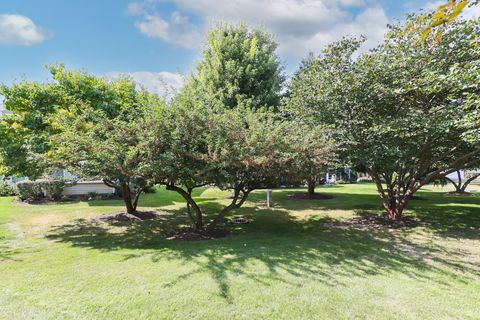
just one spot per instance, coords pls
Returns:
(29, 190)
(40, 189)
(53, 188)
(150, 190)
(364, 180)
(7, 190)
(91, 195)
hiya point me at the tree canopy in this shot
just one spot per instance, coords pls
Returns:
(238, 64)
(404, 112)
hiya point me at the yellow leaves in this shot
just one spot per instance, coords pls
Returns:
(425, 34)
(253, 47)
(444, 15)
(16, 125)
(65, 112)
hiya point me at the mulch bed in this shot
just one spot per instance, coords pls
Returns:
(127, 217)
(191, 235)
(459, 194)
(382, 222)
(307, 196)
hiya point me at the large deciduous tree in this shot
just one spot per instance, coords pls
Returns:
(407, 112)
(238, 64)
(236, 149)
(116, 142)
(313, 152)
(218, 117)
(25, 129)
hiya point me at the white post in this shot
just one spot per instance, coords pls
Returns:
(269, 198)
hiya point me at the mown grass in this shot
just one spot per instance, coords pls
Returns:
(291, 262)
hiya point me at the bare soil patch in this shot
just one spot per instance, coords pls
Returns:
(127, 217)
(459, 194)
(382, 222)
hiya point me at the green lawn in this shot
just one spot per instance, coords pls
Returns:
(291, 262)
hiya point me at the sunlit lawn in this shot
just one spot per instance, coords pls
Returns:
(291, 262)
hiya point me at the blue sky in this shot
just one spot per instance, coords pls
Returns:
(156, 40)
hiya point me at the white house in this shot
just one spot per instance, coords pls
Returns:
(82, 188)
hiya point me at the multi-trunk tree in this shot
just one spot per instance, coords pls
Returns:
(93, 127)
(406, 112)
(218, 117)
(116, 143)
(236, 149)
(461, 179)
(313, 153)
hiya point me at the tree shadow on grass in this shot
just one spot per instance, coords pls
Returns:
(8, 253)
(446, 216)
(160, 198)
(286, 250)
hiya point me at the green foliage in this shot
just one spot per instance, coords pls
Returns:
(25, 134)
(240, 149)
(312, 150)
(404, 112)
(53, 188)
(150, 189)
(238, 65)
(39, 189)
(7, 190)
(30, 190)
(112, 140)
(91, 195)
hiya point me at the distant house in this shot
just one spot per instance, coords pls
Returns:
(80, 188)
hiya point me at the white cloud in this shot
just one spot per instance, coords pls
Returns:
(472, 12)
(299, 26)
(163, 84)
(19, 30)
(469, 12)
(176, 30)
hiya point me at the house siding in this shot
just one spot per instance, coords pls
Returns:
(85, 187)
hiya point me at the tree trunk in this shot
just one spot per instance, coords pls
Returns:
(198, 217)
(393, 200)
(236, 203)
(395, 210)
(127, 198)
(311, 186)
(462, 188)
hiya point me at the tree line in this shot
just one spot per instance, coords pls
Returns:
(406, 112)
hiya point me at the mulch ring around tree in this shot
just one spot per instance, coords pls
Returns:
(191, 235)
(459, 194)
(307, 196)
(127, 217)
(382, 222)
